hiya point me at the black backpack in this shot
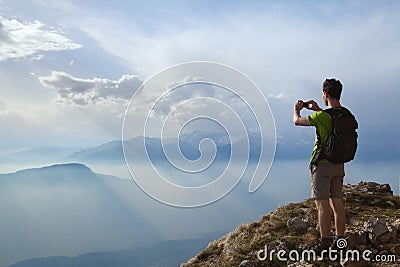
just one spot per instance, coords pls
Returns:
(341, 145)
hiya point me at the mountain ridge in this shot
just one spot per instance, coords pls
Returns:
(188, 144)
(47, 210)
(75, 165)
(373, 223)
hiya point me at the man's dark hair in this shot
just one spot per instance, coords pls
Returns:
(333, 87)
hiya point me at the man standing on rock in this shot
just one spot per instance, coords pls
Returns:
(326, 177)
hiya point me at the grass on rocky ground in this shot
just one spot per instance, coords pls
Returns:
(272, 231)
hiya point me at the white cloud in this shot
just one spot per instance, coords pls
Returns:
(185, 80)
(277, 49)
(280, 96)
(38, 57)
(184, 103)
(21, 39)
(78, 91)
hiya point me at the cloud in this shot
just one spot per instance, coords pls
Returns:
(285, 46)
(33, 125)
(37, 57)
(280, 96)
(4, 37)
(185, 103)
(20, 39)
(78, 91)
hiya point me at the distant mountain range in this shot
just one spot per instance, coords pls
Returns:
(38, 155)
(290, 148)
(111, 151)
(188, 143)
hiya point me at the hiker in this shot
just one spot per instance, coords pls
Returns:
(327, 171)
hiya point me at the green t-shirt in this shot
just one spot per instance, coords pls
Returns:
(323, 124)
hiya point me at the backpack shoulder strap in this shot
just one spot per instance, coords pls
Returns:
(335, 111)
(319, 155)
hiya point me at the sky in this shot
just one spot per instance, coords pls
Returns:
(69, 68)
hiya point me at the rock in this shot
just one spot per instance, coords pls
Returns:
(376, 226)
(306, 210)
(397, 203)
(384, 238)
(297, 225)
(377, 230)
(373, 188)
(375, 201)
(390, 203)
(396, 224)
(246, 263)
(356, 239)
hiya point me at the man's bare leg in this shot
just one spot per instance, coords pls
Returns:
(324, 217)
(340, 215)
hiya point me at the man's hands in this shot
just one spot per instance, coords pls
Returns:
(312, 105)
(303, 121)
(299, 105)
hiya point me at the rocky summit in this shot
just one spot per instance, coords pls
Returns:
(372, 228)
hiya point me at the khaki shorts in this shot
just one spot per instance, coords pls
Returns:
(327, 181)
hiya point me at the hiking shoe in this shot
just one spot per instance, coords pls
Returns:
(324, 244)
